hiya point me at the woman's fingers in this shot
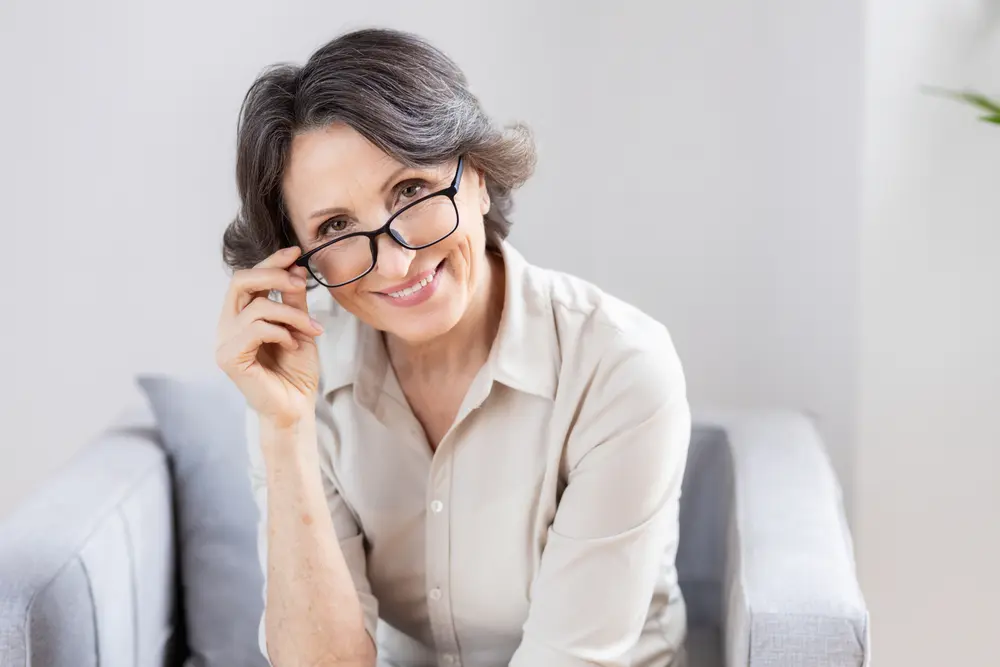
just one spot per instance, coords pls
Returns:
(249, 340)
(239, 352)
(296, 296)
(263, 308)
(270, 274)
(281, 259)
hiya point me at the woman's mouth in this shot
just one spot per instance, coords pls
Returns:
(417, 291)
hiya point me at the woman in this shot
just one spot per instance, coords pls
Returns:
(483, 454)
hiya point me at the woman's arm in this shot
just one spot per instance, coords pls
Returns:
(313, 614)
(617, 519)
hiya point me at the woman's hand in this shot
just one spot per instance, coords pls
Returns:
(268, 348)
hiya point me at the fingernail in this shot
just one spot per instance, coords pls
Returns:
(316, 324)
(298, 281)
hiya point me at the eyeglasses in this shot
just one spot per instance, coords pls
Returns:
(418, 225)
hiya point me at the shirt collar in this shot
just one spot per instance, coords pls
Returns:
(525, 355)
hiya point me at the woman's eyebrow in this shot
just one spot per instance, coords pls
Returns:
(338, 210)
(323, 212)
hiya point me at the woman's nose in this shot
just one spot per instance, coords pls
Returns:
(393, 259)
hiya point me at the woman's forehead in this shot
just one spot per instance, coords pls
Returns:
(337, 152)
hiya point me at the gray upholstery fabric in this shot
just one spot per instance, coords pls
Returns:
(86, 563)
(704, 647)
(790, 590)
(202, 427)
(706, 508)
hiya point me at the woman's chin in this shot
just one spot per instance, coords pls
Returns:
(420, 325)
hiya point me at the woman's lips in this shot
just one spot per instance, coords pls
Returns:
(409, 283)
(416, 291)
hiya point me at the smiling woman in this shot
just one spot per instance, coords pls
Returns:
(366, 128)
(493, 440)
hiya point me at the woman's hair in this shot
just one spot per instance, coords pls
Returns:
(396, 90)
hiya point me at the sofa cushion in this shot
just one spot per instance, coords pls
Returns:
(202, 427)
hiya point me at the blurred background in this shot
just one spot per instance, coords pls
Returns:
(767, 178)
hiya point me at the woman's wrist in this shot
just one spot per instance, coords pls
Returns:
(290, 419)
(288, 436)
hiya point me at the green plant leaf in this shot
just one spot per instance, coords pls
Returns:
(973, 98)
(991, 119)
(981, 101)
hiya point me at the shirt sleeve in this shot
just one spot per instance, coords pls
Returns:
(346, 526)
(617, 520)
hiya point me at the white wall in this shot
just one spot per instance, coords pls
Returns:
(928, 489)
(698, 159)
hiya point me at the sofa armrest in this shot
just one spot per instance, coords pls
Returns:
(791, 591)
(87, 568)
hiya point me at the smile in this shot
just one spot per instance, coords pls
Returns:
(417, 291)
(413, 289)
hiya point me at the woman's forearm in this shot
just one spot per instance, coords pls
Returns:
(313, 616)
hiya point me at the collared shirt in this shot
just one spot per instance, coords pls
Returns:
(542, 531)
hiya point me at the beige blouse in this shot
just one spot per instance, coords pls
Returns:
(543, 530)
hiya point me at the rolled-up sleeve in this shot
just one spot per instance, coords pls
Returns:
(349, 534)
(617, 519)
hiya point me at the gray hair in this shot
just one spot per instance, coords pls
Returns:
(393, 88)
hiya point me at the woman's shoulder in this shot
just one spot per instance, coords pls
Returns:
(605, 339)
(594, 314)
(618, 366)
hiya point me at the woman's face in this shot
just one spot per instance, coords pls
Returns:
(337, 182)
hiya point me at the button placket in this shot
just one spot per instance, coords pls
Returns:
(438, 554)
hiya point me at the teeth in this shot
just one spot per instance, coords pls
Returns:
(415, 288)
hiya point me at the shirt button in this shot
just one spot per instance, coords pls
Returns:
(437, 506)
(450, 659)
(434, 594)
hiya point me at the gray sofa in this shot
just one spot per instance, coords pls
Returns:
(88, 575)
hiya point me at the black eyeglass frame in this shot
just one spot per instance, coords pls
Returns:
(373, 235)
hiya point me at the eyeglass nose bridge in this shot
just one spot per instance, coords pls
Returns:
(388, 230)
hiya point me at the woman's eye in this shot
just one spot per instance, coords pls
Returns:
(332, 226)
(410, 190)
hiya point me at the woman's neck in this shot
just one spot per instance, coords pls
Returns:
(464, 349)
